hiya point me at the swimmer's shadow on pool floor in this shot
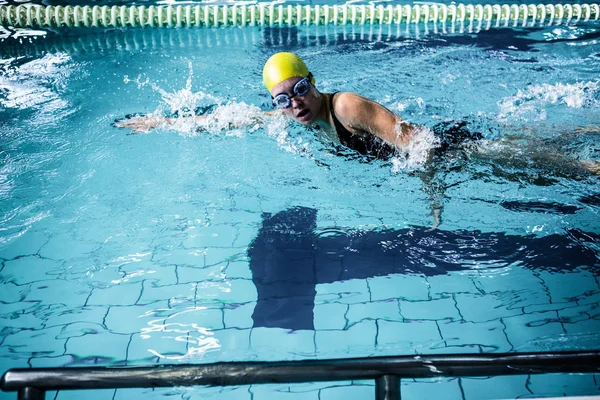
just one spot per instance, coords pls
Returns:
(289, 257)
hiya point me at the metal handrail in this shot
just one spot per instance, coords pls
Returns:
(386, 371)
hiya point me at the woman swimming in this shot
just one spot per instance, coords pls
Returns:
(359, 123)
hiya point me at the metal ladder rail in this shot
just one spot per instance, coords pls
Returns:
(31, 384)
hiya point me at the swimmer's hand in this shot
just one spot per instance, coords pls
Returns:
(139, 123)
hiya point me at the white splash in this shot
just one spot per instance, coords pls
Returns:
(182, 101)
(530, 104)
(235, 118)
(411, 104)
(231, 118)
(34, 84)
(417, 152)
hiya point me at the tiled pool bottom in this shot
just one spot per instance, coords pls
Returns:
(211, 320)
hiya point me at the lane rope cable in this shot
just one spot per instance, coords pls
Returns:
(279, 15)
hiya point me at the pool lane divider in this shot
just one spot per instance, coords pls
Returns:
(285, 15)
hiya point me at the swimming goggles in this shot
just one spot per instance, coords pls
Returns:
(301, 87)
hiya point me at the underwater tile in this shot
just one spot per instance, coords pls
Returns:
(439, 388)
(110, 273)
(126, 248)
(65, 247)
(222, 393)
(133, 272)
(155, 393)
(248, 202)
(244, 236)
(558, 385)
(239, 315)
(408, 287)
(291, 345)
(498, 387)
(565, 286)
(238, 216)
(25, 343)
(21, 321)
(238, 269)
(164, 275)
(316, 386)
(590, 327)
(234, 345)
(489, 334)
(384, 309)
(134, 318)
(29, 269)
(50, 362)
(222, 256)
(81, 269)
(59, 291)
(96, 394)
(281, 391)
(220, 235)
(577, 313)
(115, 295)
(347, 392)
(180, 256)
(186, 274)
(591, 297)
(512, 277)
(410, 335)
(455, 282)
(432, 309)
(356, 339)
(352, 291)
(156, 345)
(515, 289)
(532, 332)
(246, 208)
(549, 307)
(17, 307)
(442, 348)
(227, 291)
(12, 293)
(481, 308)
(103, 345)
(330, 316)
(26, 244)
(181, 292)
(78, 329)
(193, 318)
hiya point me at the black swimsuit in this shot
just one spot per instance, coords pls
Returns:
(370, 145)
(452, 134)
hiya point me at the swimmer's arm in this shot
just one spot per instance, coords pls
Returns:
(362, 114)
(139, 123)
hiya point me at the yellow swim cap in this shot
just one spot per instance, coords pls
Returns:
(282, 66)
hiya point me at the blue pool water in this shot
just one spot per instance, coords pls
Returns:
(148, 249)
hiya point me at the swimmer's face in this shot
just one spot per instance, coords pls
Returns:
(303, 109)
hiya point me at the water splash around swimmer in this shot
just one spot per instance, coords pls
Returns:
(531, 103)
(417, 152)
(181, 107)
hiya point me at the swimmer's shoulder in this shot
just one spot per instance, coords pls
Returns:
(347, 104)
